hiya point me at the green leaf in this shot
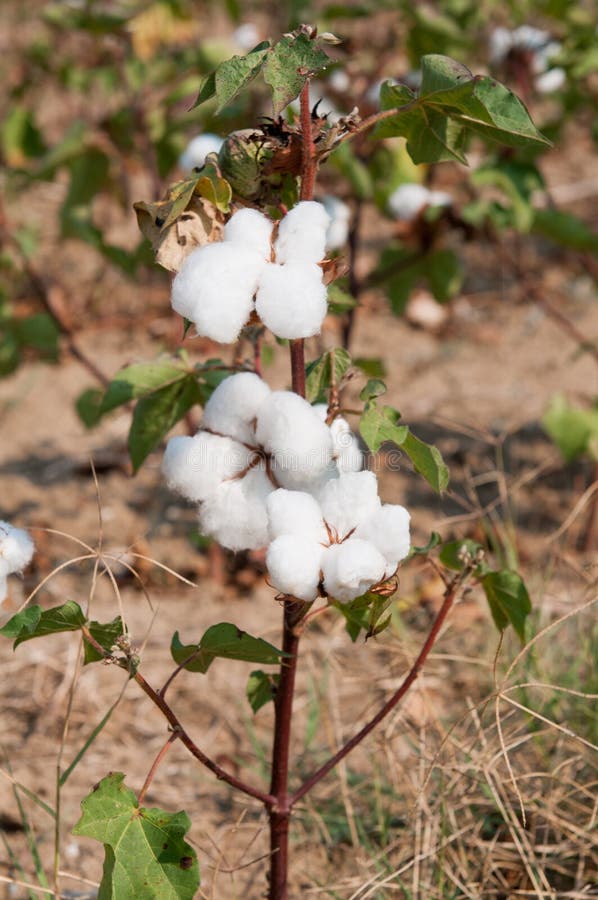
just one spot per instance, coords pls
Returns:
(452, 553)
(374, 387)
(427, 461)
(157, 413)
(215, 188)
(231, 76)
(34, 622)
(371, 365)
(146, 854)
(574, 430)
(290, 63)
(140, 380)
(89, 406)
(444, 273)
(380, 425)
(323, 372)
(40, 332)
(207, 90)
(509, 600)
(106, 635)
(261, 688)
(453, 101)
(565, 229)
(423, 551)
(226, 641)
(377, 624)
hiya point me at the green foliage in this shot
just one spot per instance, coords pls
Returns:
(146, 854)
(261, 688)
(401, 269)
(366, 614)
(19, 337)
(106, 636)
(451, 102)
(225, 641)
(325, 372)
(573, 429)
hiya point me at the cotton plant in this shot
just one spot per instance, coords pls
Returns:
(279, 471)
(16, 552)
(537, 44)
(409, 200)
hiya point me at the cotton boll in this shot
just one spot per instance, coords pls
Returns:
(301, 444)
(407, 201)
(302, 234)
(550, 81)
(194, 155)
(347, 452)
(388, 531)
(215, 288)
(250, 228)
(246, 36)
(291, 300)
(235, 514)
(195, 466)
(348, 500)
(296, 513)
(338, 229)
(439, 198)
(16, 549)
(234, 405)
(351, 568)
(293, 564)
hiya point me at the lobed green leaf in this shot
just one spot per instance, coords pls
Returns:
(261, 688)
(289, 64)
(226, 641)
(508, 599)
(34, 622)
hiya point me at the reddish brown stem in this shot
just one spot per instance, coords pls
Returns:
(308, 155)
(150, 775)
(449, 599)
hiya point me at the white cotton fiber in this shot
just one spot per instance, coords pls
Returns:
(215, 288)
(3, 589)
(351, 568)
(302, 234)
(407, 201)
(235, 514)
(16, 549)
(347, 452)
(338, 229)
(234, 405)
(195, 466)
(300, 443)
(194, 155)
(348, 500)
(291, 299)
(388, 531)
(293, 564)
(295, 513)
(250, 228)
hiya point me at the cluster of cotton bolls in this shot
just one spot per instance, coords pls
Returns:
(16, 551)
(267, 470)
(409, 200)
(221, 283)
(540, 45)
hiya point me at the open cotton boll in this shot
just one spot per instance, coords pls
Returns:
(388, 531)
(351, 568)
(195, 466)
(16, 549)
(235, 513)
(250, 228)
(338, 229)
(291, 300)
(300, 443)
(194, 155)
(302, 233)
(348, 500)
(293, 564)
(296, 513)
(347, 452)
(407, 201)
(215, 288)
(234, 406)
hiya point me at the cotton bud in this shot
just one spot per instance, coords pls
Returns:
(194, 155)
(235, 513)
(215, 288)
(351, 568)
(293, 564)
(16, 552)
(388, 531)
(252, 229)
(302, 234)
(300, 443)
(291, 299)
(349, 500)
(195, 466)
(295, 513)
(233, 407)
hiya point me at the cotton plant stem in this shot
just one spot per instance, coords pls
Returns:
(449, 599)
(155, 765)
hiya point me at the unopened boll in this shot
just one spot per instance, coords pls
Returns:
(291, 299)
(16, 552)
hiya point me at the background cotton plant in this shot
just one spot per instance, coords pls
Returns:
(16, 552)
